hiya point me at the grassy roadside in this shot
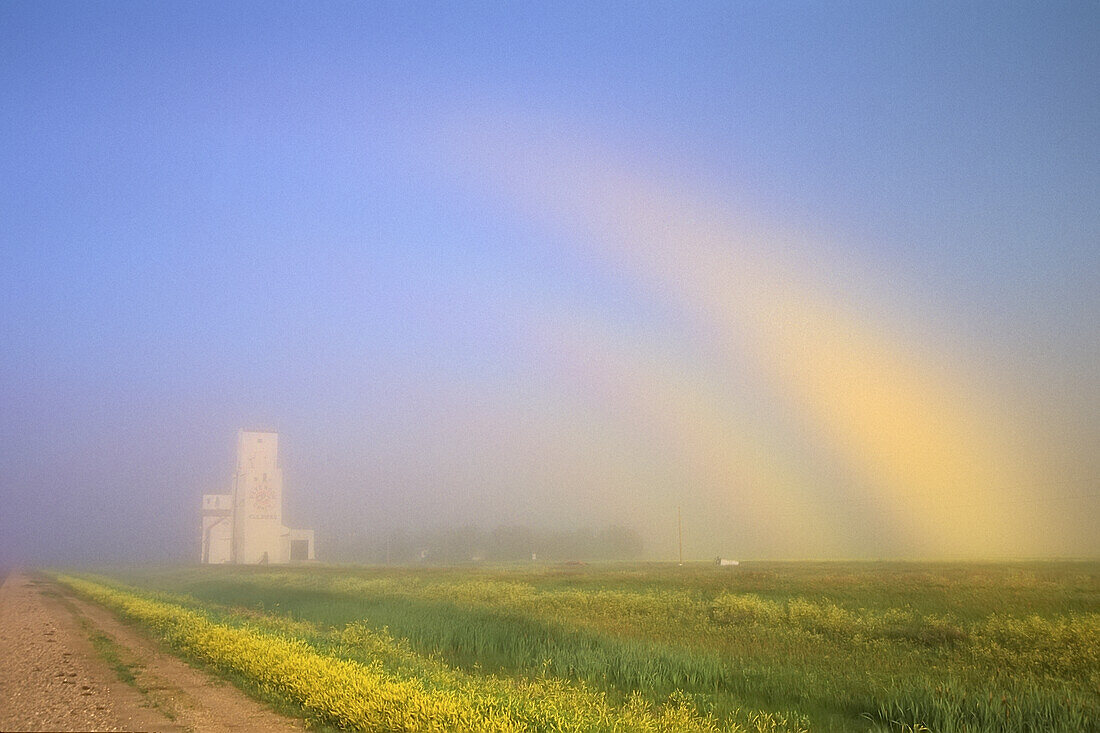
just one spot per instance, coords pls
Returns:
(112, 654)
(130, 671)
(117, 657)
(422, 694)
(970, 648)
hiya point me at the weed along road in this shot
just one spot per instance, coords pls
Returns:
(69, 665)
(773, 647)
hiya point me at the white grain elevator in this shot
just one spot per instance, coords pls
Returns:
(245, 526)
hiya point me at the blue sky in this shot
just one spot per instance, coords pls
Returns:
(348, 221)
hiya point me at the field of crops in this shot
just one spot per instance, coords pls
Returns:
(763, 647)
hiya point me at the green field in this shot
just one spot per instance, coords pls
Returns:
(766, 646)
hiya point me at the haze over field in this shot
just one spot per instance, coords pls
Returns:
(827, 278)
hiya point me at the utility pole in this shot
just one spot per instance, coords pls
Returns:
(680, 532)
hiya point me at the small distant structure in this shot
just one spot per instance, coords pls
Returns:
(245, 526)
(725, 563)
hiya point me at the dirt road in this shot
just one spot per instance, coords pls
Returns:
(70, 665)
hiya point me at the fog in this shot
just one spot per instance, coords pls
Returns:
(822, 285)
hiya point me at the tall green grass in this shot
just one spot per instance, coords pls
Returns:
(948, 647)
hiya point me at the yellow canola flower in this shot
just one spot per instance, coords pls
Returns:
(361, 696)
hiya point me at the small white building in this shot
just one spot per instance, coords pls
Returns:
(245, 526)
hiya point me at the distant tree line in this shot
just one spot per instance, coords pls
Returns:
(475, 544)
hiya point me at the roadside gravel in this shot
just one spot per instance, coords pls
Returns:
(52, 678)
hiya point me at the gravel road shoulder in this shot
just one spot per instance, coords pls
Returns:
(64, 660)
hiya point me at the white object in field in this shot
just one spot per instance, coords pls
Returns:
(217, 528)
(246, 525)
(724, 562)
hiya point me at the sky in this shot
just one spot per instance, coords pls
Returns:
(823, 276)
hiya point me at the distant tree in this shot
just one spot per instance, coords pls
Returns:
(504, 543)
